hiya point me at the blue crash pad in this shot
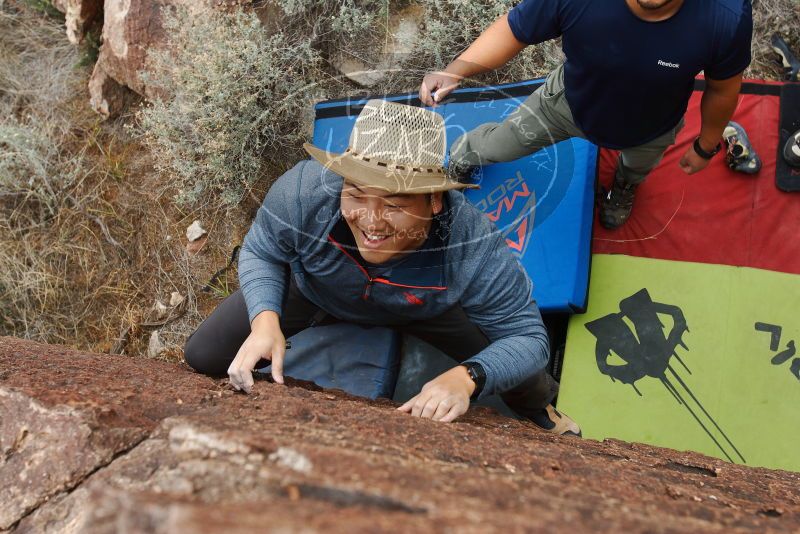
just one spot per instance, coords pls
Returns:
(556, 183)
(357, 359)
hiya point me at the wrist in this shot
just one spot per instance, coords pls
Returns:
(463, 373)
(266, 321)
(708, 145)
(703, 151)
(476, 375)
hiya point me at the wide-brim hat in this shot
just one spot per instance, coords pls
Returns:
(394, 147)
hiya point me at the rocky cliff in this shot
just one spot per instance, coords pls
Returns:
(130, 30)
(99, 443)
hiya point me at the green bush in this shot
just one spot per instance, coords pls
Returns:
(232, 98)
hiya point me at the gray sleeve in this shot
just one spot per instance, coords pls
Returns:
(270, 245)
(499, 301)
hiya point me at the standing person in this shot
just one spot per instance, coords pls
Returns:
(380, 235)
(626, 83)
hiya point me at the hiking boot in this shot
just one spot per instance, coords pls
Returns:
(740, 155)
(555, 422)
(617, 205)
(791, 150)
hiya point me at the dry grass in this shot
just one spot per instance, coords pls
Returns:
(39, 162)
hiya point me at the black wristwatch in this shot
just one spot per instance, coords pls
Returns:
(478, 375)
(702, 153)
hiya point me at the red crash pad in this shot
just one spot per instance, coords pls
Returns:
(717, 215)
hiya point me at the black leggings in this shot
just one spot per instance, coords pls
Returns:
(213, 346)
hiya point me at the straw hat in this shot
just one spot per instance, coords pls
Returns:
(394, 147)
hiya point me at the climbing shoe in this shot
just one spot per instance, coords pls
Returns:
(740, 155)
(555, 422)
(791, 65)
(791, 150)
(617, 205)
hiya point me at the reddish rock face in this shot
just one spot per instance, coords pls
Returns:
(95, 443)
(63, 415)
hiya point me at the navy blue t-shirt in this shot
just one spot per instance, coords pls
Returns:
(627, 80)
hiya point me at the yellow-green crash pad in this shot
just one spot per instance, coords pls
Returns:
(689, 356)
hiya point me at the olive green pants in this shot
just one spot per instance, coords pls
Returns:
(543, 119)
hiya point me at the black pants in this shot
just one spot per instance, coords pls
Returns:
(213, 346)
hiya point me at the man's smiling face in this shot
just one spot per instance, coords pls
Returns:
(386, 225)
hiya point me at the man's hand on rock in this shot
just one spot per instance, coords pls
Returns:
(444, 398)
(265, 341)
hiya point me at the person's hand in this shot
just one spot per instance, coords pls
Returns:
(265, 341)
(444, 398)
(692, 162)
(440, 82)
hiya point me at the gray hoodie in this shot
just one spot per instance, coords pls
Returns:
(299, 231)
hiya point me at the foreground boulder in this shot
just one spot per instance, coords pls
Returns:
(98, 443)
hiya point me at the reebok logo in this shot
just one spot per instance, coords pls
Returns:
(670, 65)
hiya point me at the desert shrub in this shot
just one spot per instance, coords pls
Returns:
(337, 23)
(233, 98)
(345, 30)
(35, 165)
(452, 25)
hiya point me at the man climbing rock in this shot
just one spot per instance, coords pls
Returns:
(625, 84)
(380, 235)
